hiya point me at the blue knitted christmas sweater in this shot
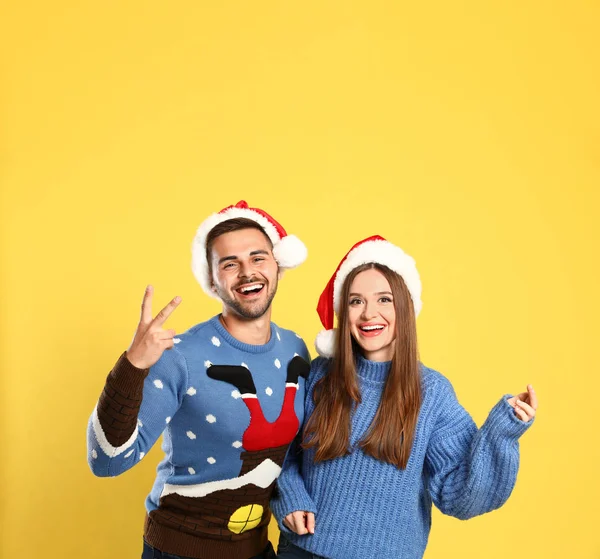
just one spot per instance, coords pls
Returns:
(228, 412)
(367, 508)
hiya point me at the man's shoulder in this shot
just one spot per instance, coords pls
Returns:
(284, 332)
(198, 334)
(288, 336)
(198, 329)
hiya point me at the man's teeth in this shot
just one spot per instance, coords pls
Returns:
(369, 328)
(251, 288)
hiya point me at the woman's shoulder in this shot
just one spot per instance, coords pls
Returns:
(319, 367)
(434, 381)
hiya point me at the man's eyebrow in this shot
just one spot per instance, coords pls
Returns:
(253, 253)
(261, 251)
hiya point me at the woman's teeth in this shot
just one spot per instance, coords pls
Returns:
(371, 328)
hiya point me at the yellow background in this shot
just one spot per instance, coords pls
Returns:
(466, 132)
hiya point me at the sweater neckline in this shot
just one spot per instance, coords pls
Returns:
(234, 342)
(373, 371)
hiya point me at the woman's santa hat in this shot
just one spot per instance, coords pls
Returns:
(288, 250)
(371, 250)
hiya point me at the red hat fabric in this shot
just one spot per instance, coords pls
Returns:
(288, 250)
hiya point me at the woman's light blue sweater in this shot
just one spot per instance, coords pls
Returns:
(368, 508)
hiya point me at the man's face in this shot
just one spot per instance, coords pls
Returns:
(244, 272)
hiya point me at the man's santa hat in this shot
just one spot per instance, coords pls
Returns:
(371, 250)
(288, 250)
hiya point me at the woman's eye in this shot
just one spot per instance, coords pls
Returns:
(385, 300)
(355, 301)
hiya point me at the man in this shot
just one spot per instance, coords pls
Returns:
(228, 396)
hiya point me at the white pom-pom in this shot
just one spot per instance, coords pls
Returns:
(325, 343)
(290, 252)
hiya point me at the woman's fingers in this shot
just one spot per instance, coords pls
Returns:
(533, 401)
(524, 406)
(521, 414)
(300, 522)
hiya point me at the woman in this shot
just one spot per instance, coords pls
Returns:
(385, 436)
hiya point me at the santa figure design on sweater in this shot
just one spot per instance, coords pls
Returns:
(230, 508)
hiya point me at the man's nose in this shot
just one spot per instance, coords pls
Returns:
(245, 270)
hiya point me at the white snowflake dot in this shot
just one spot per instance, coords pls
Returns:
(158, 383)
(210, 460)
(215, 341)
(129, 453)
(236, 444)
(269, 391)
(296, 355)
(142, 454)
(192, 471)
(278, 336)
(191, 391)
(94, 454)
(207, 364)
(176, 340)
(235, 394)
(297, 336)
(244, 365)
(168, 419)
(277, 363)
(211, 418)
(191, 435)
(140, 424)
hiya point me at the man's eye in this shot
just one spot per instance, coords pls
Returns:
(259, 259)
(227, 266)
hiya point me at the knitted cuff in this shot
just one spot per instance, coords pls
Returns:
(503, 421)
(127, 379)
(291, 498)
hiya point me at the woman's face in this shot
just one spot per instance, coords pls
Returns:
(371, 315)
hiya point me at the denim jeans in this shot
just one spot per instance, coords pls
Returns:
(153, 553)
(287, 550)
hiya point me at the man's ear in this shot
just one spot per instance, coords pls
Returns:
(280, 272)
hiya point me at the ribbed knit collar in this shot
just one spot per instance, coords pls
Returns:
(373, 371)
(248, 348)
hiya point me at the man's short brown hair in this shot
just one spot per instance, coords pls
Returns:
(229, 226)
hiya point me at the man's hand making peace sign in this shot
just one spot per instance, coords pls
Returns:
(151, 339)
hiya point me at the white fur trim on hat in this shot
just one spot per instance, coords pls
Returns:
(380, 252)
(325, 343)
(289, 251)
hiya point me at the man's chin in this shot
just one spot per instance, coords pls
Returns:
(248, 311)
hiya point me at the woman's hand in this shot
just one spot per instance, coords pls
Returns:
(525, 404)
(300, 522)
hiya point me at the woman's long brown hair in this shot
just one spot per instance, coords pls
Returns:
(392, 431)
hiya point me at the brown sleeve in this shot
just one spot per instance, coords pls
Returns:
(120, 401)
